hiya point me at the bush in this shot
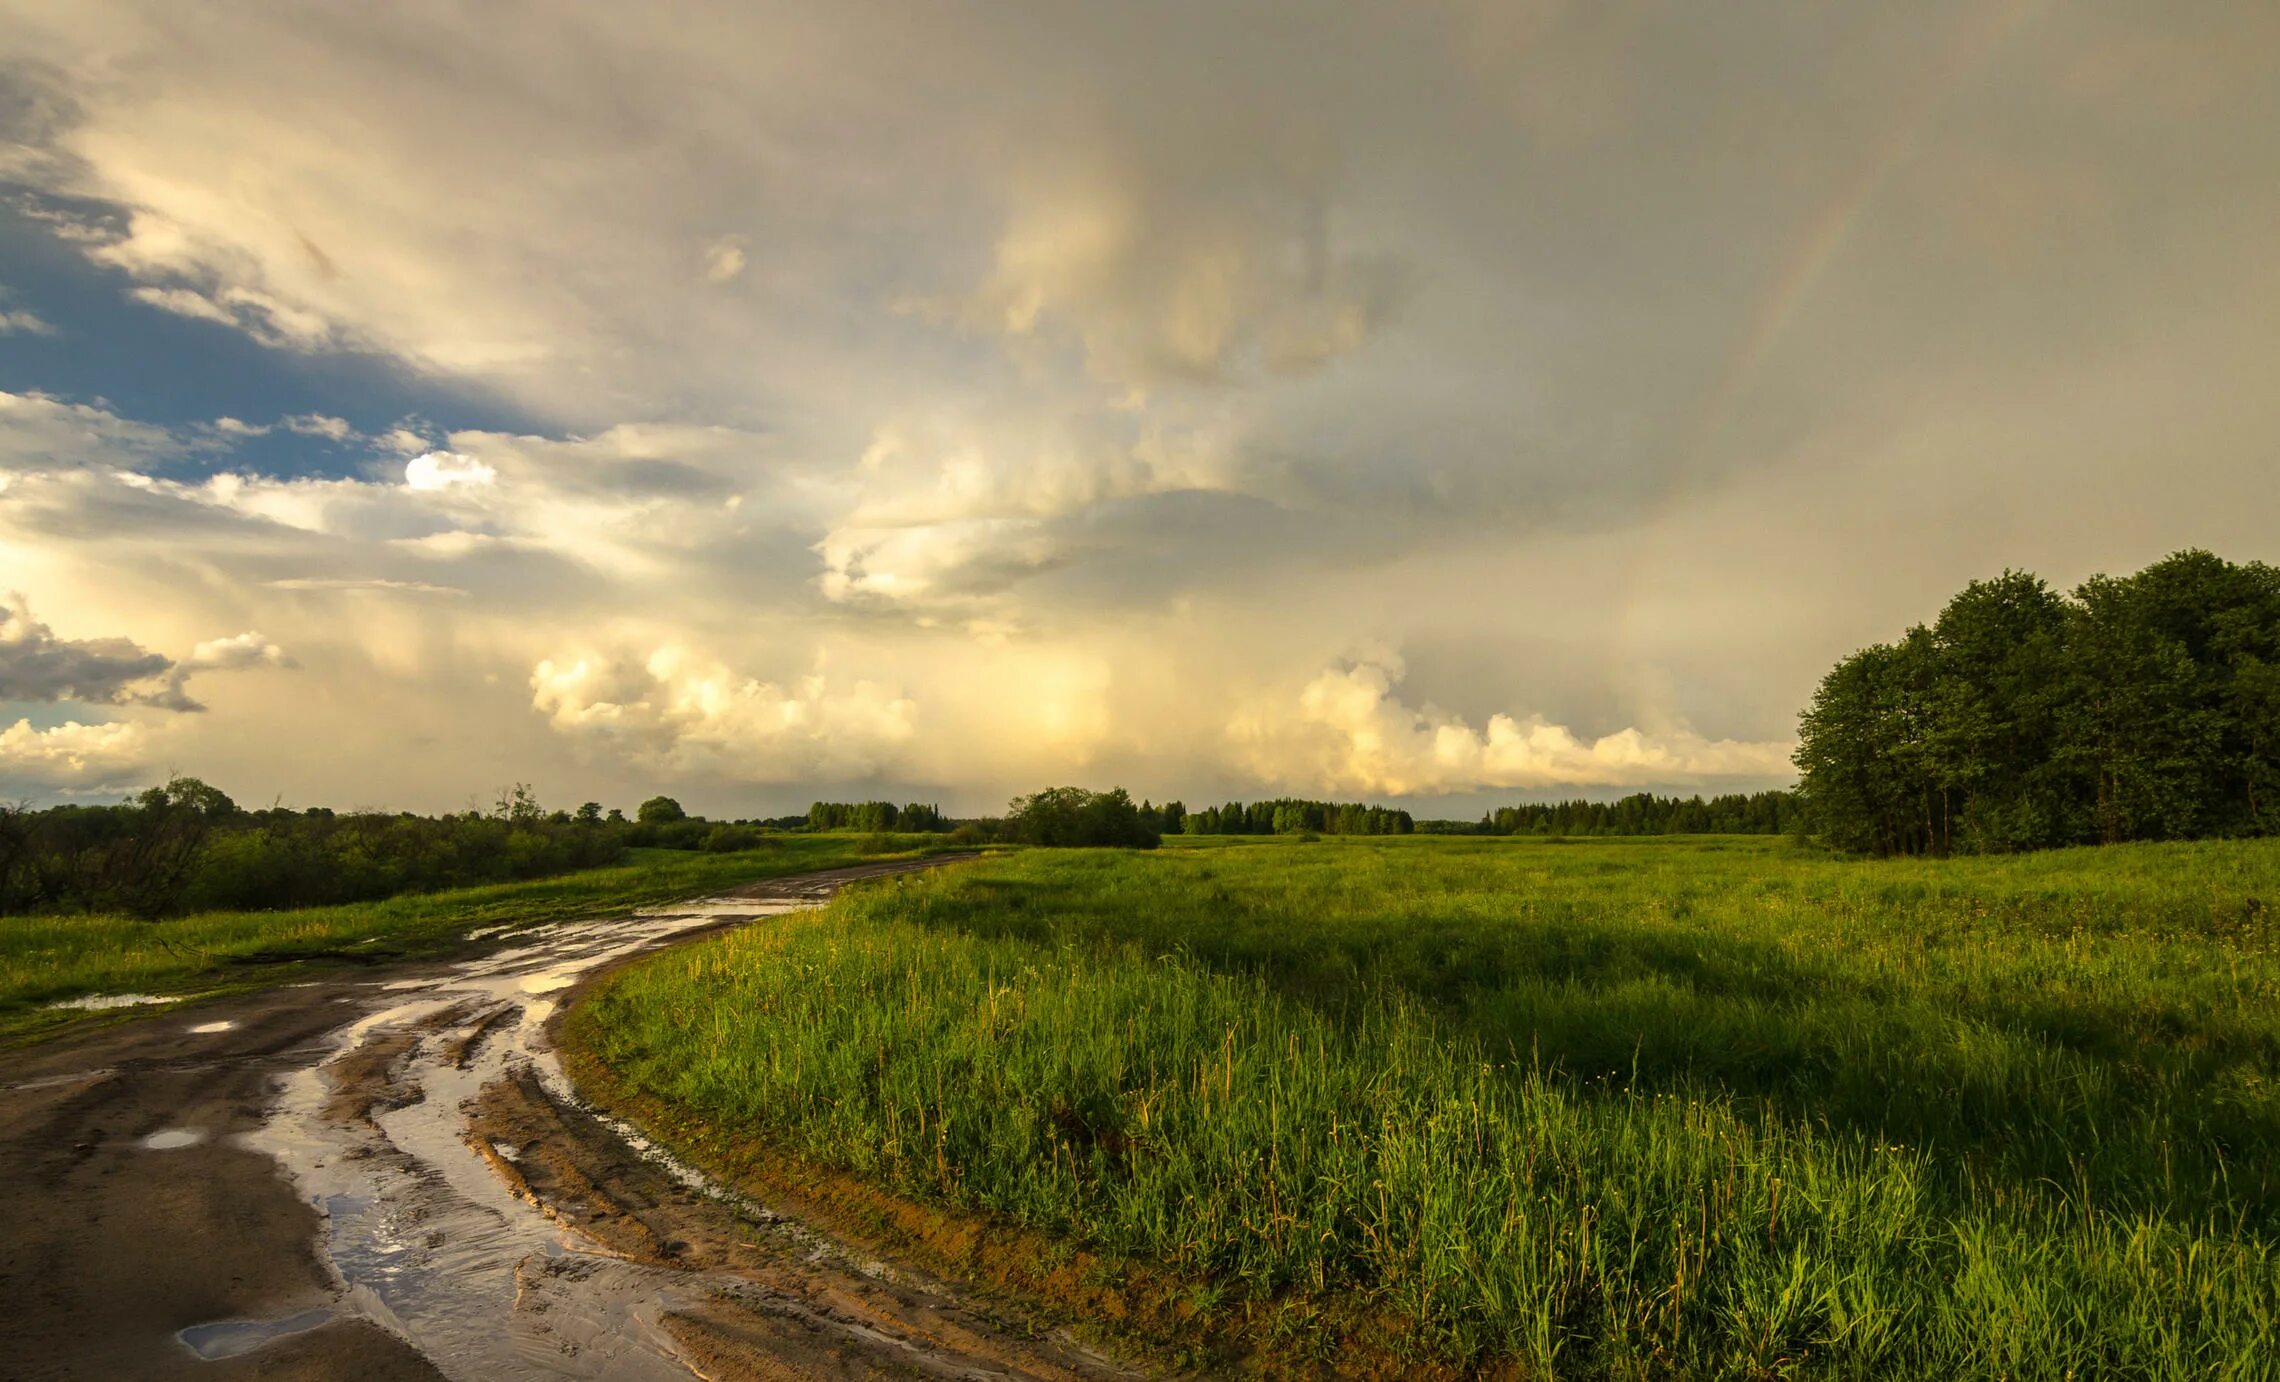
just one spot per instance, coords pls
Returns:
(660, 811)
(727, 839)
(1072, 816)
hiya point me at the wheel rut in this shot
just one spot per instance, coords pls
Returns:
(388, 1175)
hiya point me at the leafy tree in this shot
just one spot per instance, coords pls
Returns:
(659, 811)
(1072, 816)
(2143, 707)
(518, 804)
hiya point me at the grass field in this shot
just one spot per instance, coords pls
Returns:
(45, 960)
(1704, 1108)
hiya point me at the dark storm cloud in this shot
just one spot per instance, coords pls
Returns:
(35, 665)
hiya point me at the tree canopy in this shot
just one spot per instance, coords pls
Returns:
(1074, 816)
(2142, 707)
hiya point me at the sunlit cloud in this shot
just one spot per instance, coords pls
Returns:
(969, 398)
(688, 714)
(1348, 731)
(73, 755)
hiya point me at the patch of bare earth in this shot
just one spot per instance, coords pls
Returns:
(780, 1300)
(1017, 1280)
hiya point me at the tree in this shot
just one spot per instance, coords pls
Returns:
(518, 804)
(144, 870)
(2142, 707)
(590, 813)
(1998, 690)
(1072, 816)
(659, 811)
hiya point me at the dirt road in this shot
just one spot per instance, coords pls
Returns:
(385, 1175)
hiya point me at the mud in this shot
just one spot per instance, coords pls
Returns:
(386, 1175)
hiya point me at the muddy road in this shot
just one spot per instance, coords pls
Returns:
(385, 1174)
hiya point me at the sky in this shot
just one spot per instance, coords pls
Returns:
(1433, 403)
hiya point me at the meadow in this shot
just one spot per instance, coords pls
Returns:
(50, 959)
(1707, 1107)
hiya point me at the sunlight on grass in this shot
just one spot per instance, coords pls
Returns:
(1608, 1108)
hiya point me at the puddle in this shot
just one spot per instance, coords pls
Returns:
(230, 1338)
(209, 1028)
(100, 1002)
(172, 1138)
(420, 1232)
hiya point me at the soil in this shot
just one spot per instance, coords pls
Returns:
(384, 1174)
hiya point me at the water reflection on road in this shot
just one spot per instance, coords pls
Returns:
(424, 1237)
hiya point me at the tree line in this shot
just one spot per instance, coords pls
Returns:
(875, 816)
(185, 846)
(1641, 813)
(1295, 816)
(2142, 707)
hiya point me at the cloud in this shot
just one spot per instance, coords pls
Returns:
(724, 259)
(1171, 274)
(372, 583)
(73, 755)
(247, 649)
(1346, 731)
(437, 470)
(24, 322)
(320, 425)
(685, 713)
(1102, 376)
(41, 432)
(35, 665)
(404, 441)
(947, 510)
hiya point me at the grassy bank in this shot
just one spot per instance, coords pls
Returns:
(45, 960)
(1710, 1107)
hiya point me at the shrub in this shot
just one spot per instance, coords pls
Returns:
(1072, 816)
(727, 839)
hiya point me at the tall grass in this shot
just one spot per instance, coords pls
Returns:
(1608, 1109)
(49, 959)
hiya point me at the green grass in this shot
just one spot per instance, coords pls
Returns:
(49, 959)
(1609, 1108)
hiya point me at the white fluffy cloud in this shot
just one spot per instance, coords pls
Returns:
(434, 470)
(243, 650)
(1347, 731)
(689, 714)
(73, 755)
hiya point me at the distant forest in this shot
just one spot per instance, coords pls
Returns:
(874, 816)
(186, 847)
(1289, 816)
(2141, 707)
(1642, 813)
